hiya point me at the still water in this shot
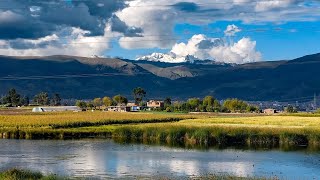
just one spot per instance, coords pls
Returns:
(105, 159)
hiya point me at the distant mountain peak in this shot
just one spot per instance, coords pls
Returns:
(168, 58)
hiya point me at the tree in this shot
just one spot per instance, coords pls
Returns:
(42, 98)
(235, 105)
(90, 105)
(252, 108)
(120, 100)
(194, 104)
(208, 101)
(177, 106)
(216, 106)
(139, 94)
(107, 101)
(210, 104)
(97, 102)
(291, 109)
(56, 99)
(12, 98)
(24, 101)
(167, 102)
(81, 104)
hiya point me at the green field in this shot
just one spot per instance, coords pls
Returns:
(165, 128)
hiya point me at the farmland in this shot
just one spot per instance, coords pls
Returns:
(166, 128)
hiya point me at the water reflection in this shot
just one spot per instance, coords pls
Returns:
(103, 159)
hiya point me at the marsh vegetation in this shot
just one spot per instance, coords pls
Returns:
(166, 128)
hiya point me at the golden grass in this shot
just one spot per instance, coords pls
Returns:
(164, 127)
(260, 121)
(46, 119)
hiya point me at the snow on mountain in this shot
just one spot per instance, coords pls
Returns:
(202, 48)
(169, 58)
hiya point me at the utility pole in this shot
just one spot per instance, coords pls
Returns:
(315, 101)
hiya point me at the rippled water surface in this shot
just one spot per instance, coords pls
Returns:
(104, 158)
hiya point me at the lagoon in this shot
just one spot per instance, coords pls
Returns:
(100, 159)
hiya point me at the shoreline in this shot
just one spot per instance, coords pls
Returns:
(21, 174)
(171, 134)
(166, 128)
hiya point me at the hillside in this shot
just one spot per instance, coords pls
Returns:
(79, 77)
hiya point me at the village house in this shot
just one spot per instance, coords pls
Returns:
(134, 107)
(56, 109)
(152, 104)
(118, 109)
(269, 111)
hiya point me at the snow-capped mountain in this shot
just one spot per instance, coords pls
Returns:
(169, 58)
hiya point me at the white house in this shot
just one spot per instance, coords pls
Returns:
(56, 109)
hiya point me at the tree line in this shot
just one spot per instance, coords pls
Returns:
(138, 94)
(207, 104)
(14, 99)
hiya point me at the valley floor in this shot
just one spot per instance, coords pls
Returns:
(166, 128)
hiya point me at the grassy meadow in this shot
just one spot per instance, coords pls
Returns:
(166, 128)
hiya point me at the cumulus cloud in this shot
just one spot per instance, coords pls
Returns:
(157, 25)
(217, 49)
(200, 47)
(160, 17)
(231, 30)
(51, 27)
(273, 4)
(25, 26)
(244, 51)
(75, 43)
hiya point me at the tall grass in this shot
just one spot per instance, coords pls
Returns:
(168, 129)
(217, 135)
(79, 119)
(17, 174)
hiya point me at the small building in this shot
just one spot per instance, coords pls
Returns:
(269, 111)
(56, 109)
(155, 104)
(118, 108)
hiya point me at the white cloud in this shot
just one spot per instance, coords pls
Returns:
(76, 43)
(157, 23)
(157, 19)
(232, 30)
(200, 47)
(244, 51)
(272, 4)
(9, 17)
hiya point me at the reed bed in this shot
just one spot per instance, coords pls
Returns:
(271, 121)
(82, 119)
(202, 130)
(18, 174)
(179, 133)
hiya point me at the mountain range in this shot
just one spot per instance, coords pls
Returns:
(82, 78)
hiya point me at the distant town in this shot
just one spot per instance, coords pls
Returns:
(43, 102)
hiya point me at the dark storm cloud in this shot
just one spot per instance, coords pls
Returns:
(13, 25)
(20, 44)
(208, 44)
(186, 6)
(119, 26)
(32, 19)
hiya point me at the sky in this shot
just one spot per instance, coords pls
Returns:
(231, 31)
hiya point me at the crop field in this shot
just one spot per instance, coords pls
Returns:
(257, 121)
(203, 129)
(67, 119)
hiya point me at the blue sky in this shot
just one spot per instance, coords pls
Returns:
(278, 41)
(236, 31)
